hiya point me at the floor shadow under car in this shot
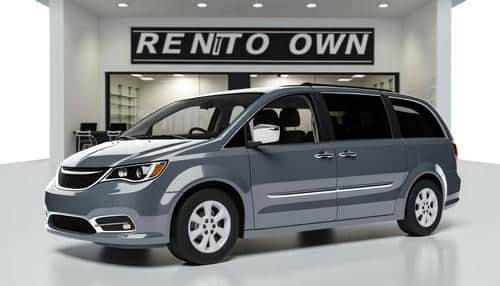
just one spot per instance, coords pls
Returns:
(162, 257)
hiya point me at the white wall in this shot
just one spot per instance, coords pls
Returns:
(443, 43)
(74, 78)
(418, 71)
(81, 55)
(24, 81)
(57, 138)
(475, 99)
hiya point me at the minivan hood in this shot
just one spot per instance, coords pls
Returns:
(125, 152)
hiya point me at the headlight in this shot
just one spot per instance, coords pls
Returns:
(137, 173)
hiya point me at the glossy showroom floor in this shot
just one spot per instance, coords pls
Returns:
(463, 251)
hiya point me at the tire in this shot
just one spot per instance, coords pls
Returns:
(200, 239)
(423, 209)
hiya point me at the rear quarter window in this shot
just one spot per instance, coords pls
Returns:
(416, 120)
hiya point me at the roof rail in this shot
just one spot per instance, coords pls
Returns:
(343, 86)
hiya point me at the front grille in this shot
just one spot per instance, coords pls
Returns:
(71, 223)
(79, 178)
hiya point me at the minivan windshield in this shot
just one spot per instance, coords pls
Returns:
(197, 118)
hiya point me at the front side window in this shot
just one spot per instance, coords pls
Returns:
(415, 120)
(294, 116)
(197, 118)
(356, 117)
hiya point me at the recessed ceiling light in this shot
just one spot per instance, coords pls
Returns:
(136, 74)
(201, 5)
(311, 5)
(178, 75)
(257, 5)
(344, 79)
(122, 4)
(383, 5)
(147, 78)
(359, 76)
(283, 75)
(253, 75)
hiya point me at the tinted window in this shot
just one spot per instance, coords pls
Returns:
(294, 115)
(357, 116)
(415, 120)
(239, 139)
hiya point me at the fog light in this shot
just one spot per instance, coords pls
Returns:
(126, 226)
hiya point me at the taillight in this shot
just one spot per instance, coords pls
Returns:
(455, 150)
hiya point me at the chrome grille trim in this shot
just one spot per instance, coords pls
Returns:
(79, 173)
(64, 171)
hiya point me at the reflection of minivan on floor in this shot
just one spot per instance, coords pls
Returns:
(199, 173)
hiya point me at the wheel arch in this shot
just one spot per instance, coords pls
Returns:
(226, 187)
(435, 175)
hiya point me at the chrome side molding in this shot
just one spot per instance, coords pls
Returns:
(326, 192)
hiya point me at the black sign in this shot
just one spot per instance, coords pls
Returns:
(346, 46)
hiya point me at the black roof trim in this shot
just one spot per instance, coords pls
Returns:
(339, 86)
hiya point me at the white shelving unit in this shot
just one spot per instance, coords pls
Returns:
(123, 103)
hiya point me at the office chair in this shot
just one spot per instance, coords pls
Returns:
(113, 134)
(88, 126)
(118, 127)
(85, 139)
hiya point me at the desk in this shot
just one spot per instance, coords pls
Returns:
(100, 137)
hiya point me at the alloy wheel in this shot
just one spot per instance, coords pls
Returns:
(426, 207)
(209, 226)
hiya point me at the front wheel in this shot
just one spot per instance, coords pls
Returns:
(423, 209)
(205, 227)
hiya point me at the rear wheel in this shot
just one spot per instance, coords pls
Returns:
(423, 209)
(205, 228)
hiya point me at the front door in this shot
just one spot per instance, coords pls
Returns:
(370, 162)
(293, 180)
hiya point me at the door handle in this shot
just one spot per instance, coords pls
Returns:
(348, 154)
(324, 155)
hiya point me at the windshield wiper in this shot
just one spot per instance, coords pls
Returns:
(127, 138)
(177, 136)
(169, 136)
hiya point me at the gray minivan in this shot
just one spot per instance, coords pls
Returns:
(199, 173)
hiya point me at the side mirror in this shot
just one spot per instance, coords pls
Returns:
(264, 134)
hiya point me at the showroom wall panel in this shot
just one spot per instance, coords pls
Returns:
(418, 73)
(82, 98)
(24, 80)
(475, 100)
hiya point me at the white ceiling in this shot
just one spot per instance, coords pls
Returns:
(243, 8)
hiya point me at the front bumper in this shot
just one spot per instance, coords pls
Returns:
(136, 238)
(144, 204)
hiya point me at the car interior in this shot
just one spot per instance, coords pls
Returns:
(294, 117)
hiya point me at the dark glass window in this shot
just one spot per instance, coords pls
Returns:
(357, 116)
(415, 120)
(295, 117)
(239, 139)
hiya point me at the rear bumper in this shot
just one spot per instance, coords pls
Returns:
(453, 196)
